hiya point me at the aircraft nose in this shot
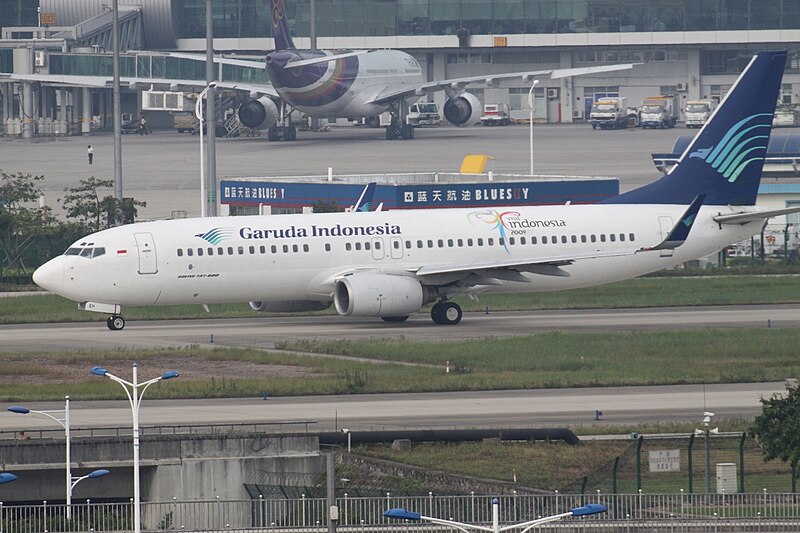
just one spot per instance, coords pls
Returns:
(50, 276)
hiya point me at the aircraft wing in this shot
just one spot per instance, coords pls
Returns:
(405, 90)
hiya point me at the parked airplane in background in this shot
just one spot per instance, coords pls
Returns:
(389, 264)
(362, 83)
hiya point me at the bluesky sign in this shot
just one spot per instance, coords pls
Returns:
(296, 195)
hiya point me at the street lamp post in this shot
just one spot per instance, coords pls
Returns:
(707, 431)
(531, 106)
(588, 509)
(64, 423)
(198, 112)
(132, 389)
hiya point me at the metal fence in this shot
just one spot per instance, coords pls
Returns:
(626, 512)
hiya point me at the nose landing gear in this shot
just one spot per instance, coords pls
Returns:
(115, 322)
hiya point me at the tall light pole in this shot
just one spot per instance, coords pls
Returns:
(707, 431)
(132, 389)
(588, 509)
(63, 421)
(531, 106)
(198, 112)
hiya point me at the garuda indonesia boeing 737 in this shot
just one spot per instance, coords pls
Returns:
(389, 264)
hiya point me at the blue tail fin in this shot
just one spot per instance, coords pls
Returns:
(280, 28)
(364, 202)
(725, 159)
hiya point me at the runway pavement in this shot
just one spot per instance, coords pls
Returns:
(163, 169)
(516, 408)
(265, 332)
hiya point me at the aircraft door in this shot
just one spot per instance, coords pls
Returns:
(666, 226)
(396, 247)
(378, 252)
(147, 253)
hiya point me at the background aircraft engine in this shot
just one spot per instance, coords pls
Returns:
(289, 306)
(463, 110)
(383, 295)
(258, 114)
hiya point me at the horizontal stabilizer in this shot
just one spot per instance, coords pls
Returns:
(750, 216)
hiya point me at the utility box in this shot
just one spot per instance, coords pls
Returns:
(726, 478)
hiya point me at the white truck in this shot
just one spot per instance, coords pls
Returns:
(496, 115)
(609, 113)
(698, 112)
(659, 111)
(423, 114)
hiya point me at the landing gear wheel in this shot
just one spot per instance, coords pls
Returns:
(115, 323)
(446, 313)
(407, 131)
(392, 132)
(394, 318)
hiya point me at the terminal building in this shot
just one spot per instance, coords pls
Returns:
(691, 48)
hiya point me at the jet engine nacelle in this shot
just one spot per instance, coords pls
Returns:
(258, 114)
(289, 306)
(463, 110)
(383, 295)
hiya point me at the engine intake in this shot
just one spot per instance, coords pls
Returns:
(258, 114)
(463, 110)
(383, 295)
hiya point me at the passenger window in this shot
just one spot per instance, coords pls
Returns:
(286, 248)
(533, 240)
(273, 249)
(490, 241)
(583, 238)
(230, 250)
(522, 241)
(440, 242)
(189, 252)
(367, 246)
(262, 249)
(327, 247)
(358, 246)
(480, 242)
(501, 241)
(622, 237)
(594, 238)
(251, 249)
(305, 247)
(210, 251)
(631, 237)
(295, 248)
(199, 251)
(574, 238)
(430, 243)
(449, 243)
(602, 237)
(544, 239)
(460, 243)
(377, 245)
(612, 237)
(348, 246)
(240, 249)
(220, 251)
(99, 251)
(396, 245)
(419, 244)
(510, 241)
(469, 242)
(180, 252)
(408, 245)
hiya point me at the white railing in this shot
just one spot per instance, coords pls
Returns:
(626, 512)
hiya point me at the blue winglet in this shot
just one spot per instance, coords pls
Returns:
(680, 232)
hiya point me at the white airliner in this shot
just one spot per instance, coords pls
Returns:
(362, 83)
(389, 264)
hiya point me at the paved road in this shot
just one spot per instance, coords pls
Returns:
(163, 168)
(264, 332)
(518, 408)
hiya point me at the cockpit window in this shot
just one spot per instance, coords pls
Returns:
(87, 251)
(99, 251)
(73, 251)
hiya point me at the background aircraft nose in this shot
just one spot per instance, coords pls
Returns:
(50, 276)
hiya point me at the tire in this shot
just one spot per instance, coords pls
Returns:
(115, 323)
(391, 133)
(446, 313)
(407, 131)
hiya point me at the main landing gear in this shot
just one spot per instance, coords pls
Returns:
(446, 313)
(115, 322)
(399, 131)
(281, 133)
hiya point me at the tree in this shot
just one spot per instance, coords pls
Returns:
(84, 205)
(775, 428)
(22, 219)
(321, 206)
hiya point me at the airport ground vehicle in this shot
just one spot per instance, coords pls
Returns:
(785, 117)
(609, 113)
(129, 123)
(698, 112)
(185, 121)
(423, 114)
(496, 115)
(659, 111)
